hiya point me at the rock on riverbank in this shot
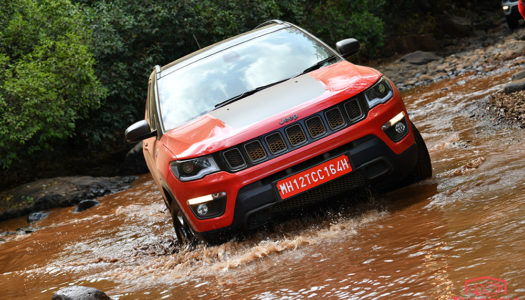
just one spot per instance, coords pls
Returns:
(57, 192)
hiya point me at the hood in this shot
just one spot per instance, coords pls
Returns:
(263, 111)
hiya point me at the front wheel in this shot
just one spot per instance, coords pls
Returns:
(183, 230)
(423, 168)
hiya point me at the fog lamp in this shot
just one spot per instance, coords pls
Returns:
(208, 206)
(202, 209)
(506, 7)
(400, 127)
(396, 128)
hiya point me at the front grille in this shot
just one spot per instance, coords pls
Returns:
(335, 118)
(234, 158)
(295, 135)
(353, 109)
(255, 151)
(315, 127)
(275, 143)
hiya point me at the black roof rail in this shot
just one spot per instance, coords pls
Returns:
(274, 21)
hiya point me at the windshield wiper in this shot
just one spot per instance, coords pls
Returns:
(247, 93)
(318, 64)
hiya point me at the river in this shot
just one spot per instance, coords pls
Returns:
(421, 242)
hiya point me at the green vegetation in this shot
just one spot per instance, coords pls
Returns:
(47, 81)
(73, 75)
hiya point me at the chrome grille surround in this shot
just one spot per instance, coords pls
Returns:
(276, 143)
(234, 159)
(335, 118)
(354, 110)
(255, 151)
(295, 134)
(315, 127)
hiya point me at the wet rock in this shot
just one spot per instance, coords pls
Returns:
(80, 293)
(85, 204)
(57, 192)
(514, 86)
(519, 75)
(425, 77)
(37, 216)
(419, 57)
(134, 162)
(24, 230)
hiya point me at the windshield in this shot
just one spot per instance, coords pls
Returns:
(195, 89)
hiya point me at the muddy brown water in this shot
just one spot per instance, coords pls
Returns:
(421, 242)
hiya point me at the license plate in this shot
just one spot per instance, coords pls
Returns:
(313, 177)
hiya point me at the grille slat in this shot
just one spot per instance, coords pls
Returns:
(295, 135)
(234, 158)
(334, 118)
(353, 109)
(255, 151)
(315, 127)
(275, 143)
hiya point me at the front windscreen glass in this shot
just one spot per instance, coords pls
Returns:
(197, 88)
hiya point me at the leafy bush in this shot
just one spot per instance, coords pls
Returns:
(333, 20)
(47, 81)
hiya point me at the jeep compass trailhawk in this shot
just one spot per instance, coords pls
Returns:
(271, 121)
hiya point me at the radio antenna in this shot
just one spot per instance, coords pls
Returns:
(195, 38)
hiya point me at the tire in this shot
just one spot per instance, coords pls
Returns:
(187, 236)
(423, 168)
(512, 22)
(183, 230)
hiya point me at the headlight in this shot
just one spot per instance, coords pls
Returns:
(192, 169)
(379, 93)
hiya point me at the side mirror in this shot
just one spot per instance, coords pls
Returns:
(347, 47)
(139, 131)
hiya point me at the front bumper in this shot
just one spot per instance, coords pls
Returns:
(373, 163)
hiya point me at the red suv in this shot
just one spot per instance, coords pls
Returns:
(271, 121)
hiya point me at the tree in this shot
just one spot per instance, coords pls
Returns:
(47, 81)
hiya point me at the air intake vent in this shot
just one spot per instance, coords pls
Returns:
(255, 151)
(353, 109)
(275, 143)
(315, 127)
(334, 118)
(234, 159)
